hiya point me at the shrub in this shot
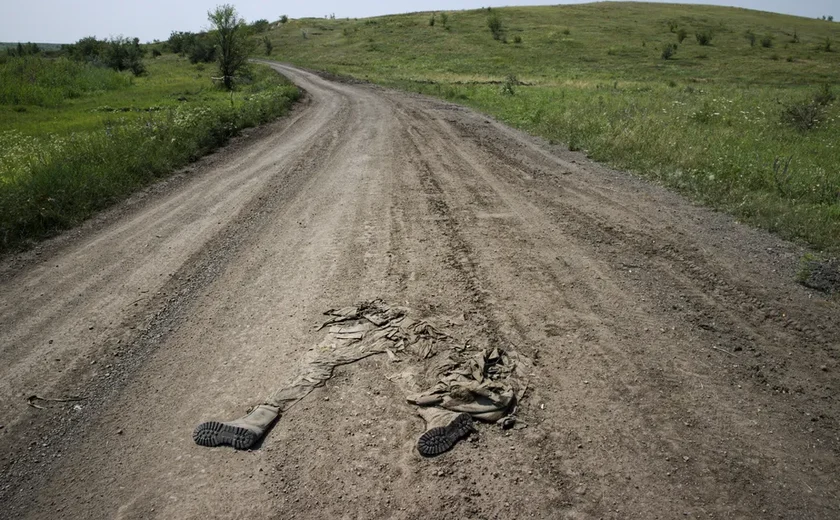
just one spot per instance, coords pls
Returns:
(682, 34)
(704, 37)
(672, 26)
(824, 96)
(284, 19)
(509, 85)
(826, 46)
(767, 41)
(259, 26)
(125, 54)
(268, 45)
(566, 31)
(795, 37)
(494, 23)
(201, 50)
(432, 20)
(668, 51)
(444, 19)
(156, 53)
(751, 37)
(802, 116)
(517, 39)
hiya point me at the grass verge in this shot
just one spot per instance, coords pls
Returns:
(52, 181)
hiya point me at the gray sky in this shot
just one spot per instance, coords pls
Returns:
(65, 21)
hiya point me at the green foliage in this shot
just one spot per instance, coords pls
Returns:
(32, 80)
(668, 51)
(767, 41)
(266, 41)
(432, 20)
(682, 34)
(259, 26)
(517, 39)
(444, 20)
(494, 23)
(703, 37)
(125, 54)
(284, 19)
(509, 85)
(751, 37)
(23, 49)
(53, 181)
(233, 46)
(826, 46)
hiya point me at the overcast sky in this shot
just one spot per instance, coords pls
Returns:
(65, 21)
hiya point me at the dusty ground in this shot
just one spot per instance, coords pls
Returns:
(679, 369)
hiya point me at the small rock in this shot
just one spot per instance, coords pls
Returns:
(120, 431)
(824, 368)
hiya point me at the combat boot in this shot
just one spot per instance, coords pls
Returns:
(241, 433)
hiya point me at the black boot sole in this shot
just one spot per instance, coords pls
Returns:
(442, 438)
(214, 433)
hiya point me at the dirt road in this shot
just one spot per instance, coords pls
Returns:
(679, 372)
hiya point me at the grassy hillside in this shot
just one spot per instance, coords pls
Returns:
(747, 122)
(74, 137)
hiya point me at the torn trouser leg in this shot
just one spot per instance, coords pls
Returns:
(443, 429)
(241, 433)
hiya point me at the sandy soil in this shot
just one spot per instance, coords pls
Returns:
(679, 371)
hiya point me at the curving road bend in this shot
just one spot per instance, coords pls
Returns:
(678, 369)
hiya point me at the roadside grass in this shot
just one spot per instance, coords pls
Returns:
(711, 121)
(60, 164)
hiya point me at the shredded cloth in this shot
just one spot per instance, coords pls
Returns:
(484, 385)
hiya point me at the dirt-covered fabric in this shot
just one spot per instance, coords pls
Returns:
(484, 384)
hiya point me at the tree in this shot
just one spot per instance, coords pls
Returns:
(231, 35)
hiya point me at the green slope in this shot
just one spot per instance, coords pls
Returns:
(710, 122)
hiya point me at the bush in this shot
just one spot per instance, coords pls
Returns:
(517, 39)
(751, 37)
(767, 41)
(704, 37)
(567, 32)
(807, 115)
(284, 19)
(125, 54)
(494, 23)
(259, 26)
(444, 19)
(802, 116)
(509, 85)
(826, 46)
(824, 96)
(201, 50)
(268, 45)
(682, 34)
(156, 53)
(432, 20)
(668, 51)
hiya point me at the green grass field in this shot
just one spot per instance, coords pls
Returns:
(75, 138)
(711, 121)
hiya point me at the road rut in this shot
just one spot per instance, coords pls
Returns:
(678, 369)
